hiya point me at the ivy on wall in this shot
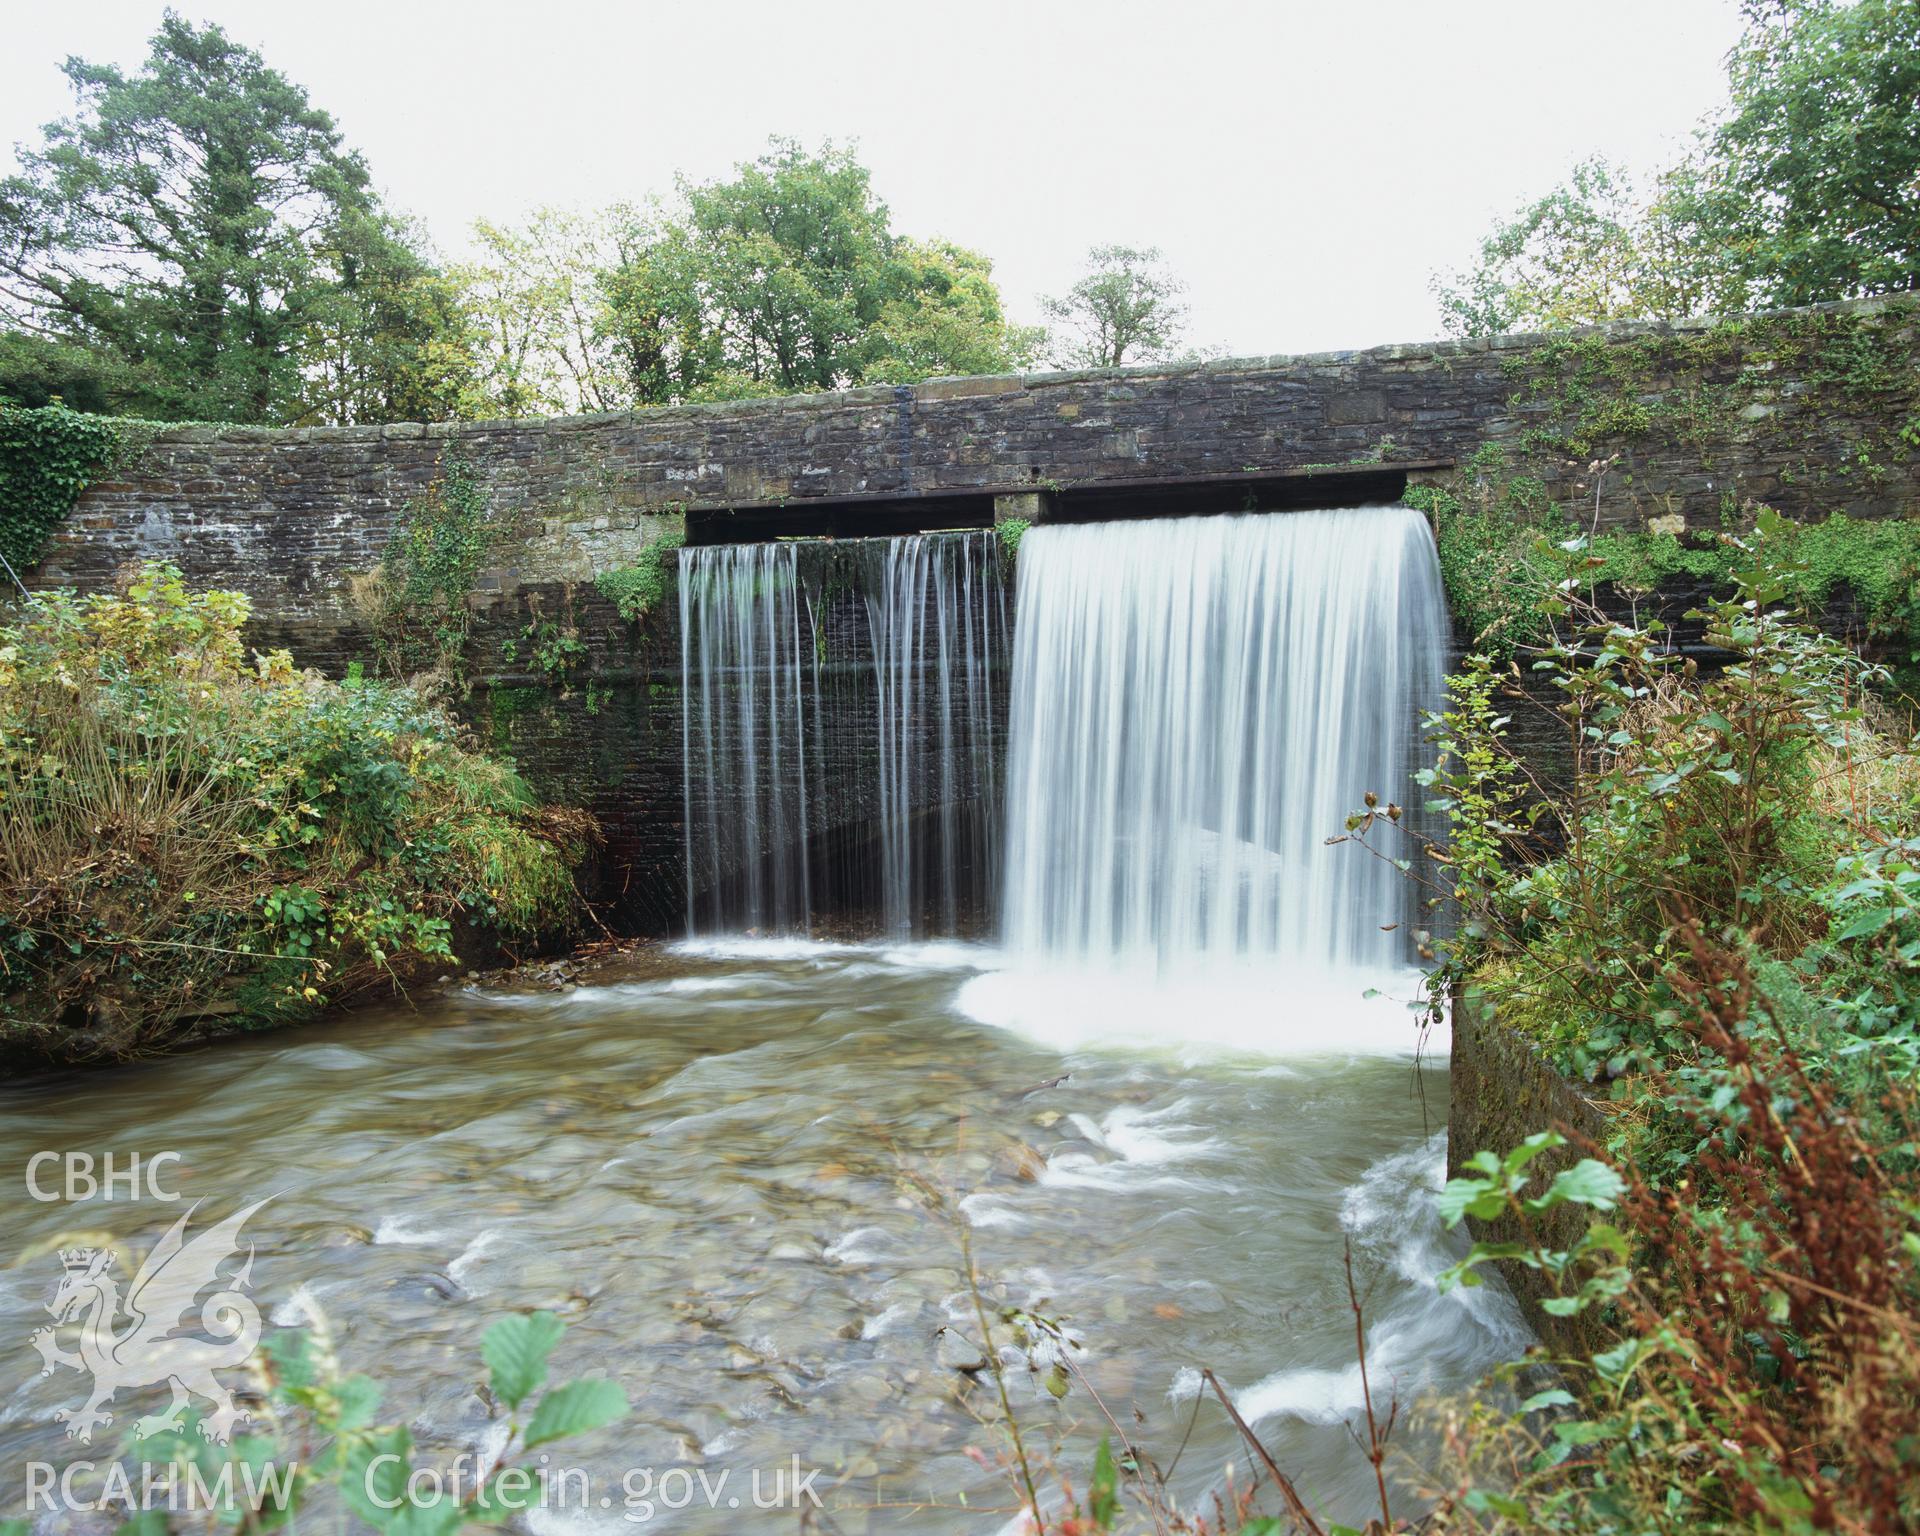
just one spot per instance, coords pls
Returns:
(422, 602)
(1493, 568)
(1592, 400)
(1590, 392)
(48, 455)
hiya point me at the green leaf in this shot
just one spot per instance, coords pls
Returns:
(1585, 1432)
(516, 1350)
(1470, 1197)
(435, 1515)
(374, 1473)
(1616, 1364)
(1532, 1147)
(1588, 1182)
(1483, 1501)
(357, 1397)
(291, 1353)
(1553, 1397)
(1863, 923)
(1103, 1500)
(575, 1408)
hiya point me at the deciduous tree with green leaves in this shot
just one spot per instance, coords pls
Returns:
(942, 316)
(785, 277)
(1804, 188)
(1594, 248)
(1127, 308)
(792, 254)
(1814, 170)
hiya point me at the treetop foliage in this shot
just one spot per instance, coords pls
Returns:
(1804, 188)
(197, 242)
(188, 226)
(1128, 308)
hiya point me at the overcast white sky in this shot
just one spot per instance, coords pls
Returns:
(1305, 166)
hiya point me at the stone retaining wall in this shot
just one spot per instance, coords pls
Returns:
(1503, 1091)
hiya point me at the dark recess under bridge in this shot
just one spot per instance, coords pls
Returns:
(885, 514)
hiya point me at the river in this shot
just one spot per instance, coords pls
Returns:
(739, 1172)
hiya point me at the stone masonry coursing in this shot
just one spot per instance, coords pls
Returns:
(299, 518)
(292, 516)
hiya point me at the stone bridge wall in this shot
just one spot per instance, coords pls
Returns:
(1811, 411)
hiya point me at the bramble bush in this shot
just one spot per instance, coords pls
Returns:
(190, 835)
(1712, 920)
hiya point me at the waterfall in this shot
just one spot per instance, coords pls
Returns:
(1198, 704)
(747, 653)
(843, 711)
(937, 628)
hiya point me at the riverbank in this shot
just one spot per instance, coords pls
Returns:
(194, 841)
(1711, 929)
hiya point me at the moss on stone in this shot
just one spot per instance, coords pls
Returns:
(1598, 398)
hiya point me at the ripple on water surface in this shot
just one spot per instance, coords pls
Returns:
(728, 1174)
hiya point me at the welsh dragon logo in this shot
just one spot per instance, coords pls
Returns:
(157, 1342)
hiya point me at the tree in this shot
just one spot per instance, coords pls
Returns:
(390, 337)
(787, 277)
(1126, 309)
(1815, 168)
(663, 343)
(537, 300)
(37, 370)
(791, 254)
(942, 316)
(173, 223)
(1805, 188)
(1592, 249)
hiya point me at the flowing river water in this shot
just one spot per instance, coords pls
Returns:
(748, 1172)
(737, 1172)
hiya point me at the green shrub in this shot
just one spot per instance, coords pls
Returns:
(638, 588)
(188, 836)
(1011, 531)
(1770, 799)
(1715, 922)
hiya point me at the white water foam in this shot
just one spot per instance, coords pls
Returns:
(1422, 1338)
(408, 1232)
(1272, 1010)
(1136, 1149)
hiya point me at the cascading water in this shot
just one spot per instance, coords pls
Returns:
(747, 655)
(755, 1105)
(937, 629)
(1198, 704)
(843, 710)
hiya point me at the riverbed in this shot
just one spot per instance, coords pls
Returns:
(741, 1174)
